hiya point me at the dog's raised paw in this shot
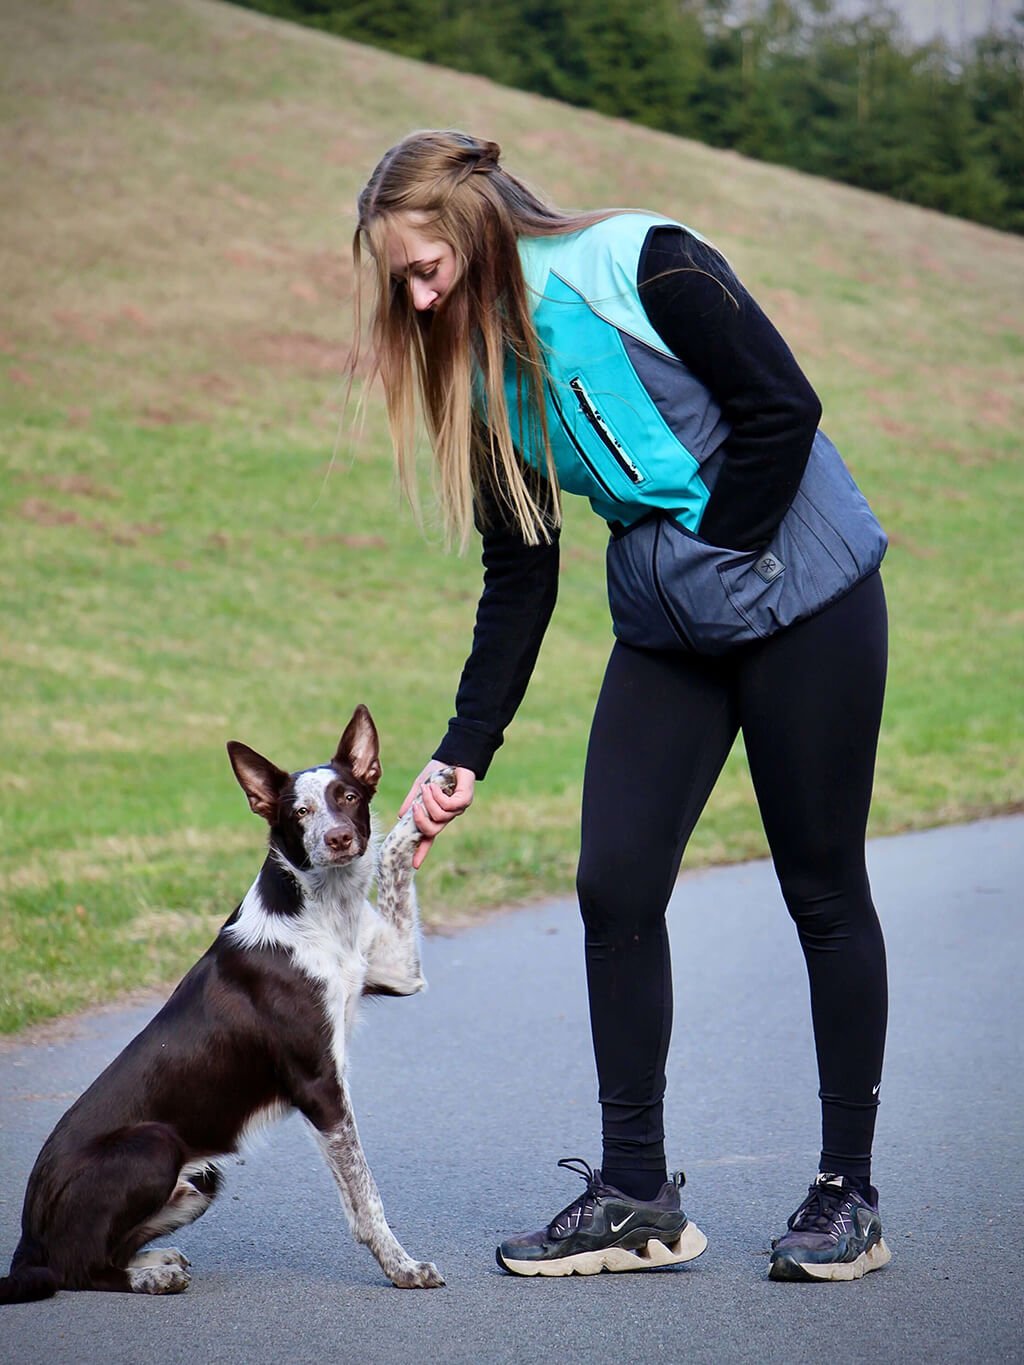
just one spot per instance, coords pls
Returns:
(419, 1275)
(445, 779)
(405, 836)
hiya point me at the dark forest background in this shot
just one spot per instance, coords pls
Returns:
(795, 82)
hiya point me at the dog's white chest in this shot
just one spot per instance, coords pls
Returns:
(333, 953)
(328, 942)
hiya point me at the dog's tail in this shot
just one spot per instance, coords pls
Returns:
(26, 1283)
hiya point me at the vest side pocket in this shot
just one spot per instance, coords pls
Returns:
(828, 541)
(689, 573)
(792, 579)
(665, 591)
(637, 605)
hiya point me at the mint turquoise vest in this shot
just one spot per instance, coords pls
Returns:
(633, 430)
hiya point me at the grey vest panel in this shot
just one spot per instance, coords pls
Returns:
(687, 406)
(668, 589)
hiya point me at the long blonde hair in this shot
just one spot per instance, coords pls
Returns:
(455, 355)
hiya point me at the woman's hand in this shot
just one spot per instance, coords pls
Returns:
(432, 809)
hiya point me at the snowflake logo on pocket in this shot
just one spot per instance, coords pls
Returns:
(769, 567)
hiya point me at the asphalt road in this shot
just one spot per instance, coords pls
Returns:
(467, 1096)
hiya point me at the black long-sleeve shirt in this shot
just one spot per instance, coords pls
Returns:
(713, 326)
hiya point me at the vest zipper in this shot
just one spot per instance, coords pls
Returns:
(591, 468)
(632, 473)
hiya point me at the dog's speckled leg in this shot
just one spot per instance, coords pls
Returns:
(395, 874)
(395, 958)
(361, 1201)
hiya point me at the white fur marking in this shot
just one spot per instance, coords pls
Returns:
(257, 1124)
(329, 940)
(319, 820)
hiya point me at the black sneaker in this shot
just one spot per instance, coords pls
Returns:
(835, 1234)
(606, 1230)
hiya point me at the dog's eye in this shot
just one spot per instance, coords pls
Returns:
(300, 811)
(350, 796)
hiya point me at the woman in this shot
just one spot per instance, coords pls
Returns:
(615, 355)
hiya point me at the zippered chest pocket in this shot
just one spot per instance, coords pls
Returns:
(585, 419)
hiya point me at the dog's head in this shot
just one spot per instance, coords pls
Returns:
(319, 817)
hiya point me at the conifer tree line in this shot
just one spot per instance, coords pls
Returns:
(796, 82)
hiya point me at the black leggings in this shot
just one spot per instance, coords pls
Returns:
(808, 702)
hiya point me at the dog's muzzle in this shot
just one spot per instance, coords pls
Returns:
(342, 845)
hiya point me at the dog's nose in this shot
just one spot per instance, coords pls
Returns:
(339, 840)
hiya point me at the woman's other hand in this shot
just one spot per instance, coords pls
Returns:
(432, 809)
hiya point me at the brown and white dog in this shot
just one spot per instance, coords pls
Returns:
(257, 1028)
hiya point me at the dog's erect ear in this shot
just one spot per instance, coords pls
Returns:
(261, 780)
(359, 748)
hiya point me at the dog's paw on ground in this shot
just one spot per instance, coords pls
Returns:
(159, 1279)
(419, 1275)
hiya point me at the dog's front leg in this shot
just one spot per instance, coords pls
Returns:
(394, 960)
(364, 1210)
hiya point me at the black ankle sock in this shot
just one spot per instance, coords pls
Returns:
(642, 1185)
(861, 1183)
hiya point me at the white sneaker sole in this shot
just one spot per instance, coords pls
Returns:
(873, 1259)
(687, 1247)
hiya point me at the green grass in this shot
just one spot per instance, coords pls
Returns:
(190, 552)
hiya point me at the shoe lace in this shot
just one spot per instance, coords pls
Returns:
(580, 1212)
(819, 1211)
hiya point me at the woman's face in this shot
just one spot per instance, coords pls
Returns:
(426, 264)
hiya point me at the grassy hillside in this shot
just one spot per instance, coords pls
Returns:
(194, 549)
